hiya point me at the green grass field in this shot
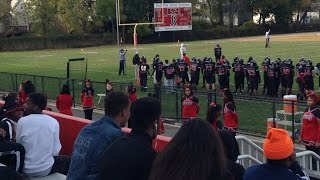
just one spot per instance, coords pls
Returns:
(103, 62)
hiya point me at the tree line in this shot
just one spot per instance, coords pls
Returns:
(50, 17)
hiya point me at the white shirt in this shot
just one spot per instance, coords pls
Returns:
(267, 34)
(183, 50)
(39, 134)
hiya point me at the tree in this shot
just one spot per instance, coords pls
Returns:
(106, 12)
(5, 8)
(43, 15)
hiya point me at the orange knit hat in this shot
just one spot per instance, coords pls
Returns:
(278, 144)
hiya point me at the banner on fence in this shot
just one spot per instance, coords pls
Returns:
(177, 16)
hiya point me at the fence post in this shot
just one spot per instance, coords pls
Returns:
(16, 76)
(12, 80)
(215, 96)
(34, 81)
(59, 79)
(209, 95)
(42, 84)
(177, 103)
(292, 118)
(274, 113)
(73, 94)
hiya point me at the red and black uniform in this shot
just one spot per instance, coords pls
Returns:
(239, 73)
(308, 77)
(223, 75)
(217, 53)
(230, 116)
(271, 73)
(182, 69)
(310, 130)
(87, 102)
(253, 77)
(287, 74)
(64, 104)
(300, 79)
(190, 107)
(208, 68)
(195, 68)
(159, 71)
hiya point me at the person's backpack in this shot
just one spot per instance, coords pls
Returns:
(9, 174)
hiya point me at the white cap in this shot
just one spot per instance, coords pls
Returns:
(182, 44)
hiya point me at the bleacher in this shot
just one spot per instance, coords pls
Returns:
(250, 153)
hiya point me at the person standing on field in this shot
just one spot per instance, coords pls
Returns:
(183, 50)
(268, 39)
(87, 96)
(136, 63)
(64, 101)
(122, 55)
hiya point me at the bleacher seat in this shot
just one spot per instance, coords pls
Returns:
(55, 176)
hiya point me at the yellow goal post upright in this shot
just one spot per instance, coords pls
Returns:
(135, 35)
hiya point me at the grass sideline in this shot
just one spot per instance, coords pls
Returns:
(103, 62)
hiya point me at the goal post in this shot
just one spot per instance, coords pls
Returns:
(135, 35)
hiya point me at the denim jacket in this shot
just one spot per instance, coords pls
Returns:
(89, 147)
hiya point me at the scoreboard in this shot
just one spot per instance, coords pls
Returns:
(177, 16)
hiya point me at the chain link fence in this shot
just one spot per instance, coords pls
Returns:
(253, 111)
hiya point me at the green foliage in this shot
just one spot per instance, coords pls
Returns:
(142, 30)
(43, 15)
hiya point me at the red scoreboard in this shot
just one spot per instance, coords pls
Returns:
(176, 16)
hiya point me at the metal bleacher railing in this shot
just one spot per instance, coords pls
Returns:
(252, 154)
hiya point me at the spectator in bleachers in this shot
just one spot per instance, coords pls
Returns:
(131, 156)
(310, 130)
(229, 112)
(25, 89)
(12, 112)
(231, 148)
(281, 163)
(109, 87)
(214, 111)
(64, 101)
(87, 96)
(190, 104)
(96, 137)
(39, 134)
(195, 152)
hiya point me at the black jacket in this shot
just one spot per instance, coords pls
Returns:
(129, 158)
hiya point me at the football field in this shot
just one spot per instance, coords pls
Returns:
(103, 62)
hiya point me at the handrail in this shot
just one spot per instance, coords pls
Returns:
(310, 162)
(246, 156)
(251, 149)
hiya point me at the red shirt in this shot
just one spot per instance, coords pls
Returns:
(87, 98)
(310, 130)
(64, 104)
(190, 107)
(186, 59)
(230, 116)
(133, 97)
